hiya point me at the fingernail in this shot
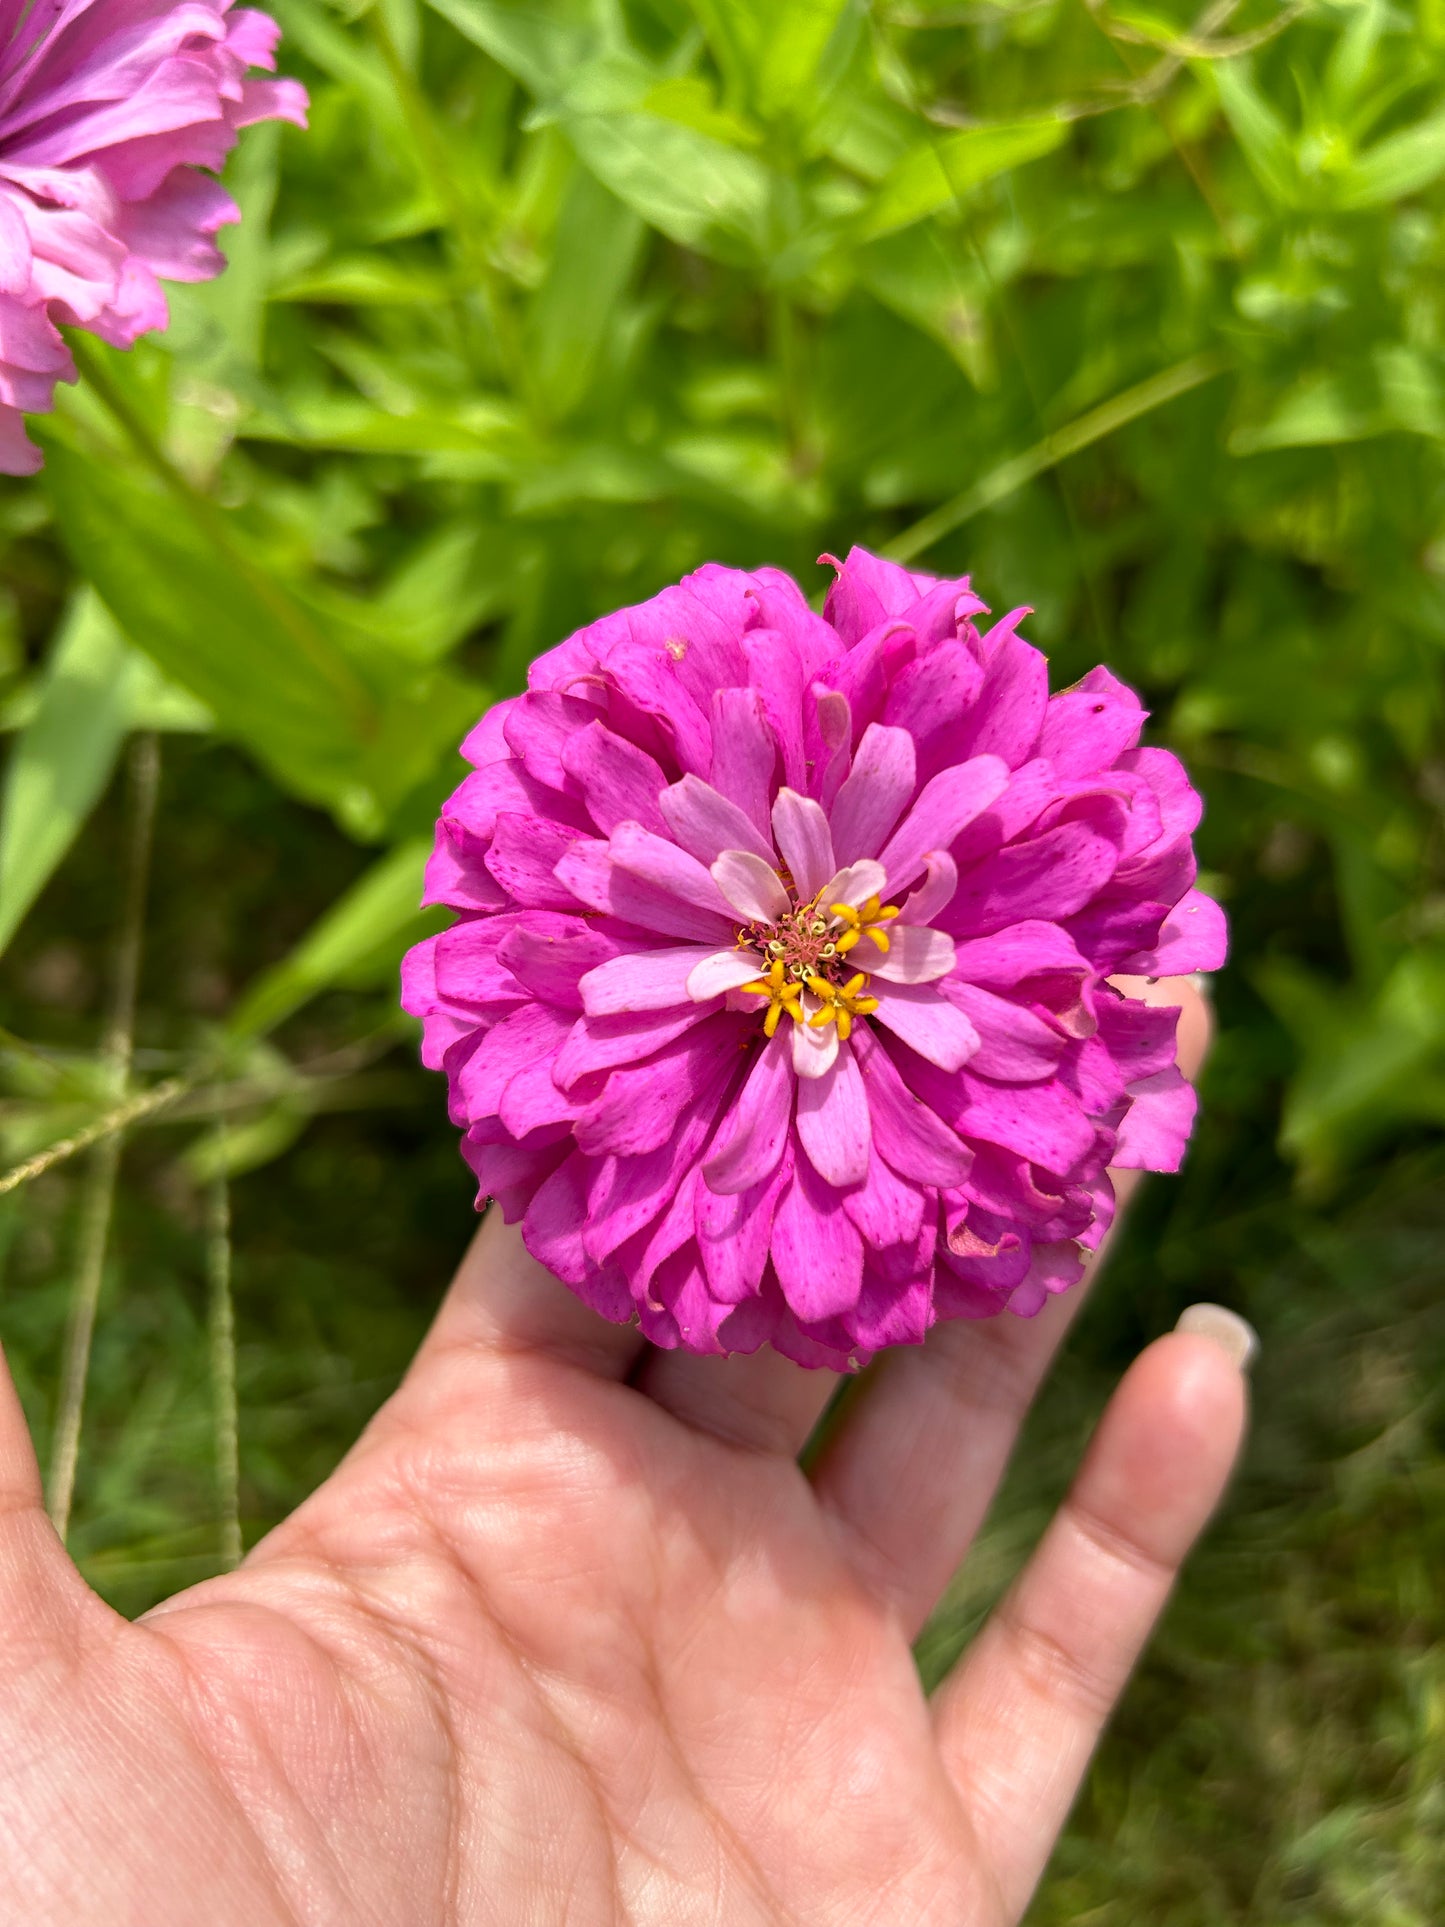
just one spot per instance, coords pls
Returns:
(1203, 984)
(1226, 1329)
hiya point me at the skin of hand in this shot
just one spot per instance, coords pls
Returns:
(570, 1637)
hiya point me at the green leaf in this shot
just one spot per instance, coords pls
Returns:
(528, 40)
(364, 932)
(594, 254)
(1400, 164)
(63, 758)
(351, 724)
(941, 171)
(1259, 130)
(692, 186)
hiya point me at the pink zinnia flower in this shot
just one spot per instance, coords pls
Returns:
(778, 1004)
(108, 108)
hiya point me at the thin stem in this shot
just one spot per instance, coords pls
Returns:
(99, 1198)
(221, 1330)
(1079, 434)
(111, 1124)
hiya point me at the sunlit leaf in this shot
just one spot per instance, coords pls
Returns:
(944, 168)
(62, 759)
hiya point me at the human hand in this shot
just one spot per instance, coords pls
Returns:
(569, 1636)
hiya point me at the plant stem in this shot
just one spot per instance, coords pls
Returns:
(99, 1197)
(1069, 440)
(221, 1325)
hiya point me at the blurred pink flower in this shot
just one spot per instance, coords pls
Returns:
(777, 1004)
(108, 110)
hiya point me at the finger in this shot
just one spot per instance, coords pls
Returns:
(1019, 1718)
(502, 1300)
(910, 1475)
(32, 1559)
(762, 1400)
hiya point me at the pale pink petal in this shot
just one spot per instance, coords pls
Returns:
(935, 893)
(724, 970)
(913, 956)
(814, 1047)
(853, 884)
(751, 887)
(804, 842)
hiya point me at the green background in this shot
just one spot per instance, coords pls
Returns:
(1135, 313)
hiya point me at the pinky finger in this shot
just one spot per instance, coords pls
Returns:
(1019, 1718)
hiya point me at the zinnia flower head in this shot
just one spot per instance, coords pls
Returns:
(108, 110)
(778, 1003)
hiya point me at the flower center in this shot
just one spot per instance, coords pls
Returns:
(808, 950)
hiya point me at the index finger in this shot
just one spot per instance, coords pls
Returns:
(1019, 1718)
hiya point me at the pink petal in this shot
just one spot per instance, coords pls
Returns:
(833, 1122)
(873, 797)
(1157, 1124)
(1042, 1122)
(1049, 877)
(653, 859)
(548, 955)
(1088, 727)
(1052, 1268)
(734, 1231)
(1026, 949)
(949, 802)
(935, 893)
(804, 842)
(885, 1209)
(620, 783)
(757, 1125)
(927, 1023)
(552, 1228)
(599, 1043)
(743, 753)
(1195, 937)
(817, 1253)
(643, 980)
(596, 881)
(1015, 1046)
(705, 823)
(751, 887)
(524, 856)
(533, 1032)
(639, 1108)
(913, 1138)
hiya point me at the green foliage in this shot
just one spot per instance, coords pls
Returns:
(1136, 316)
(1136, 313)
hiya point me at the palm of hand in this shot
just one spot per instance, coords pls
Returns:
(552, 1646)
